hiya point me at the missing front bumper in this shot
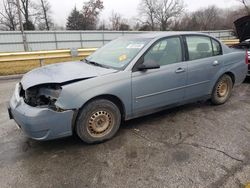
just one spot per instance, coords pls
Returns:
(41, 123)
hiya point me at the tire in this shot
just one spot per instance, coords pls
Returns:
(98, 121)
(222, 90)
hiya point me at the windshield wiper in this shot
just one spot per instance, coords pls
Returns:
(96, 64)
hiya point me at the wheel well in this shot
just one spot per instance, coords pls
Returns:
(113, 99)
(232, 76)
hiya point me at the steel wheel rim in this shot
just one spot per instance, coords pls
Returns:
(100, 123)
(223, 89)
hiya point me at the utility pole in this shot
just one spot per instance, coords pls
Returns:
(21, 26)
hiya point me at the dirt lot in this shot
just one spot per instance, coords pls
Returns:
(197, 145)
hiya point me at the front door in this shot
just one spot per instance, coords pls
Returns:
(156, 88)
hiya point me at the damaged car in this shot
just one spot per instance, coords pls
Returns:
(129, 77)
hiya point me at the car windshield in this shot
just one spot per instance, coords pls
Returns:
(118, 53)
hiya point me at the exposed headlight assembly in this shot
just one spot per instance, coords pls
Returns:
(43, 95)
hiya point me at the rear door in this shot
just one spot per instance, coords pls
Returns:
(204, 62)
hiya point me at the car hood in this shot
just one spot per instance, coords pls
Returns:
(63, 73)
(242, 26)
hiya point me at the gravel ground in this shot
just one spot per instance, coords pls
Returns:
(196, 145)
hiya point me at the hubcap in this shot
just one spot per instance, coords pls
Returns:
(100, 123)
(222, 89)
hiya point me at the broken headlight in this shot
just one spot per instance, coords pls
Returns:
(43, 95)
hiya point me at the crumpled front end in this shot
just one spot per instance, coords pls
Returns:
(35, 112)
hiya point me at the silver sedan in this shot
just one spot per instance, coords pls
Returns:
(127, 78)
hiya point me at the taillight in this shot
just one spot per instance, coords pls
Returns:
(247, 57)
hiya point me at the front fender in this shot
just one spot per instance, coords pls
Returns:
(75, 95)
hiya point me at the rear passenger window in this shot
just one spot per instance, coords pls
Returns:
(216, 47)
(199, 47)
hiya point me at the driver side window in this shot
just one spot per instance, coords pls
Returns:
(165, 52)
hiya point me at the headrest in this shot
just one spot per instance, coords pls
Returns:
(202, 47)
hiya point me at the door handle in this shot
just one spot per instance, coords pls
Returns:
(215, 63)
(180, 70)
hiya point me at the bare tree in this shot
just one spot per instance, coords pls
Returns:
(90, 12)
(115, 20)
(118, 23)
(228, 16)
(246, 4)
(166, 10)
(182, 23)
(102, 25)
(124, 26)
(8, 18)
(43, 15)
(148, 10)
(26, 6)
(160, 12)
(210, 18)
(207, 19)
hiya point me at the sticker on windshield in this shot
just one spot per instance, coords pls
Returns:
(122, 57)
(135, 46)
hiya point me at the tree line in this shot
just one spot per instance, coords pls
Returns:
(171, 15)
(36, 15)
(153, 15)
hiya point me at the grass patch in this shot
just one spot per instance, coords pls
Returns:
(22, 67)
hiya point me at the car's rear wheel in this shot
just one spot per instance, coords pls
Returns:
(222, 90)
(98, 121)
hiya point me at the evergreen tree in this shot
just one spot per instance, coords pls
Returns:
(87, 18)
(75, 20)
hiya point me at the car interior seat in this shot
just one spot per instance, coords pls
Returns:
(203, 50)
(172, 53)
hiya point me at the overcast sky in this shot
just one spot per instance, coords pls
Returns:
(127, 8)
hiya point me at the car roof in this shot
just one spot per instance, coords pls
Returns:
(153, 35)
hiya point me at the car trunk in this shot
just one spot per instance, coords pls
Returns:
(242, 26)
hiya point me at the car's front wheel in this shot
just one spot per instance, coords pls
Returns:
(98, 121)
(222, 90)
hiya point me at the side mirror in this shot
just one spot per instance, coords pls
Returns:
(148, 64)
